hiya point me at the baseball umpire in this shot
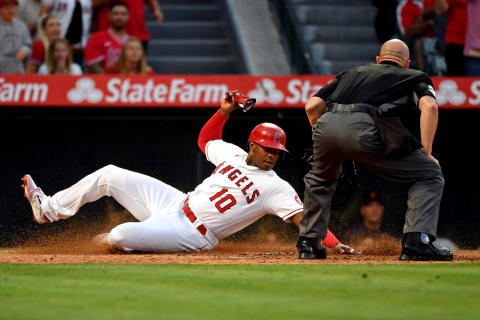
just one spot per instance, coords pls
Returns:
(242, 189)
(358, 116)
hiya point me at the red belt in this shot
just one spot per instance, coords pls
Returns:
(189, 213)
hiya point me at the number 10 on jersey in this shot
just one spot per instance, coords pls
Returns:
(223, 201)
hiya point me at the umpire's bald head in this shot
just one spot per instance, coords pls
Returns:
(395, 51)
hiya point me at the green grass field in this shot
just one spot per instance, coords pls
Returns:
(89, 291)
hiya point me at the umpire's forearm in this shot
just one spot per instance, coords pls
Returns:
(428, 122)
(315, 108)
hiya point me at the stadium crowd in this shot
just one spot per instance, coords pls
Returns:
(111, 36)
(443, 35)
(75, 36)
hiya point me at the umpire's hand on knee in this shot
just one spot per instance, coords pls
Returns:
(429, 156)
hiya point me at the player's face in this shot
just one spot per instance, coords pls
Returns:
(8, 11)
(119, 17)
(52, 28)
(261, 157)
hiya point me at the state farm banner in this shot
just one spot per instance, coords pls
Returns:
(192, 90)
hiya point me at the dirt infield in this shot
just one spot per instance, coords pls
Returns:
(384, 251)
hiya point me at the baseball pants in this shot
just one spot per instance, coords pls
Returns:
(162, 226)
(339, 136)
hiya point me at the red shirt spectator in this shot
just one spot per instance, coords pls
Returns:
(50, 29)
(38, 53)
(407, 13)
(455, 35)
(136, 26)
(410, 20)
(456, 21)
(104, 46)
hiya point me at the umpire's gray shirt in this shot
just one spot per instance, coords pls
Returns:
(13, 37)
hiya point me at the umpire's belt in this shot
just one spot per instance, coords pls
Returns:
(349, 108)
(189, 213)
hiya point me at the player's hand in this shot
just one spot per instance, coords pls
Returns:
(21, 55)
(229, 104)
(341, 248)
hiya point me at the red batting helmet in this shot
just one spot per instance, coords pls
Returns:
(269, 135)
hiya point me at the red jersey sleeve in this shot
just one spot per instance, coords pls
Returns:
(212, 130)
(38, 53)
(94, 51)
(407, 13)
(330, 240)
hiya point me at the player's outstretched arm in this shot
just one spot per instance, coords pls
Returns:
(212, 130)
(330, 240)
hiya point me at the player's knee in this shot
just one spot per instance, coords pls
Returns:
(109, 170)
(117, 238)
(108, 173)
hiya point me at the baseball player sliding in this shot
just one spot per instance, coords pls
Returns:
(242, 189)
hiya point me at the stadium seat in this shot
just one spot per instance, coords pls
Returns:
(338, 34)
(192, 39)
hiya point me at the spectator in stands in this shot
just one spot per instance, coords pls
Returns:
(29, 12)
(430, 44)
(416, 22)
(372, 214)
(15, 41)
(415, 18)
(59, 59)
(75, 18)
(455, 35)
(50, 26)
(104, 47)
(137, 26)
(132, 60)
(472, 39)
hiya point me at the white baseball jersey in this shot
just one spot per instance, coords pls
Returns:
(63, 10)
(233, 197)
(237, 194)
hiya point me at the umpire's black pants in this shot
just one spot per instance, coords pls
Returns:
(339, 136)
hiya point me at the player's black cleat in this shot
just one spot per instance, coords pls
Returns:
(417, 246)
(308, 249)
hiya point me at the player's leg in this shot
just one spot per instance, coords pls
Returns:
(138, 193)
(320, 184)
(168, 231)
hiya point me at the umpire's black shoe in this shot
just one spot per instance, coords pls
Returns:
(308, 249)
(417, 246)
